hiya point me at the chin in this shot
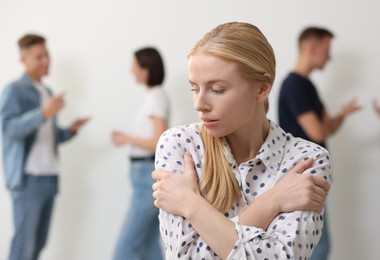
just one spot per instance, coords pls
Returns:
(216, 134)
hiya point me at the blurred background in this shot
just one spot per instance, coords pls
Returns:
(91, 44)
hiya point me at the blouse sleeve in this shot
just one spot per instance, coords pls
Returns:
(291, 235)
(180, 238)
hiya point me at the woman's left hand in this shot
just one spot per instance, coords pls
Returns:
(175, 192)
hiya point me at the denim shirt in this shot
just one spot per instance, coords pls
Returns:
(21, 115)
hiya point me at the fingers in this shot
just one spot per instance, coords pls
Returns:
(317, 206)
(351, 106)
(318, 195)
(321, 182)
(189, 162)
(156, 175)
(303, 166)
(86, 119)
(313, 198)
(60, 95)
(58, 99)
(57, 102)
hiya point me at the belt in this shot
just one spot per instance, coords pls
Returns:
(144, 158)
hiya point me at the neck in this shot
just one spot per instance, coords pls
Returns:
(302, 67)
(147, 87)
(34, 77)
(246, 143)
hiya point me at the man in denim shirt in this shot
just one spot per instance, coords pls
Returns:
(30, 137)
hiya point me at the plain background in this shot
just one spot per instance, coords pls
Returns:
(91, 44)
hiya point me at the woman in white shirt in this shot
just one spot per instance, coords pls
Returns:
(241, 194)
(139, 237)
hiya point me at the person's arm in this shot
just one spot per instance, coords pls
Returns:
(318, 130)
(16, 123)
(333, 123)
(159, 126)
(294, 232)
(314, 128)
(65, 134)
(178, 195)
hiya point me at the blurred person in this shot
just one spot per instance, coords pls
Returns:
(139, 237)
(31, 137)
(235, 185)
(376, 107)
(302, 112)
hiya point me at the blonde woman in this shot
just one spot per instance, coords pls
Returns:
(241, 194)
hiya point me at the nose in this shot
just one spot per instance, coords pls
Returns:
(201, 102)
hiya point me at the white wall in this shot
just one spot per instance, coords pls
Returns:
(91, 43)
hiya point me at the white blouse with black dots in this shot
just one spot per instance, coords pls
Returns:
(289, 236)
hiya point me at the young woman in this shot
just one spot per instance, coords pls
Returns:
(139, 237)
(241, 194)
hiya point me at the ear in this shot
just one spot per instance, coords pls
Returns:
(264, 91)
(314, 45)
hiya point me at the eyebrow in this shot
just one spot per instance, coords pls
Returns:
(210, 82)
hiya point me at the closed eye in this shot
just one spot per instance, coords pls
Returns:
(194, 90)
(217, 91)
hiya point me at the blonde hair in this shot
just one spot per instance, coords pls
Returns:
(245, 45)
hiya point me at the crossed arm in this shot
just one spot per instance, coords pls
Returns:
(178, 194)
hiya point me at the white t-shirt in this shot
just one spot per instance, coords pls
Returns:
(154, 104)
(42, 159)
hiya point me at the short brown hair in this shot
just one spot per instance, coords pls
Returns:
(149, 58)
(29, 40)
(314, 33)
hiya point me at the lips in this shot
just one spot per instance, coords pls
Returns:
(209, 123)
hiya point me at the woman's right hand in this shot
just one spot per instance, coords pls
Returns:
(298, 191)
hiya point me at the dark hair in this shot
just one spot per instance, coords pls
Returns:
(149, 58)
(314, 33)
(29, 40)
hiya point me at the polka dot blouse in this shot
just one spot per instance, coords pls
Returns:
(289, 236)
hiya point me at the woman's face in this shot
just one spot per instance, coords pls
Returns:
(226, 102)
(141, 74)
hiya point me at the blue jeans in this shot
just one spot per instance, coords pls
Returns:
(140, 236)
(32, 208)
(322, 249)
